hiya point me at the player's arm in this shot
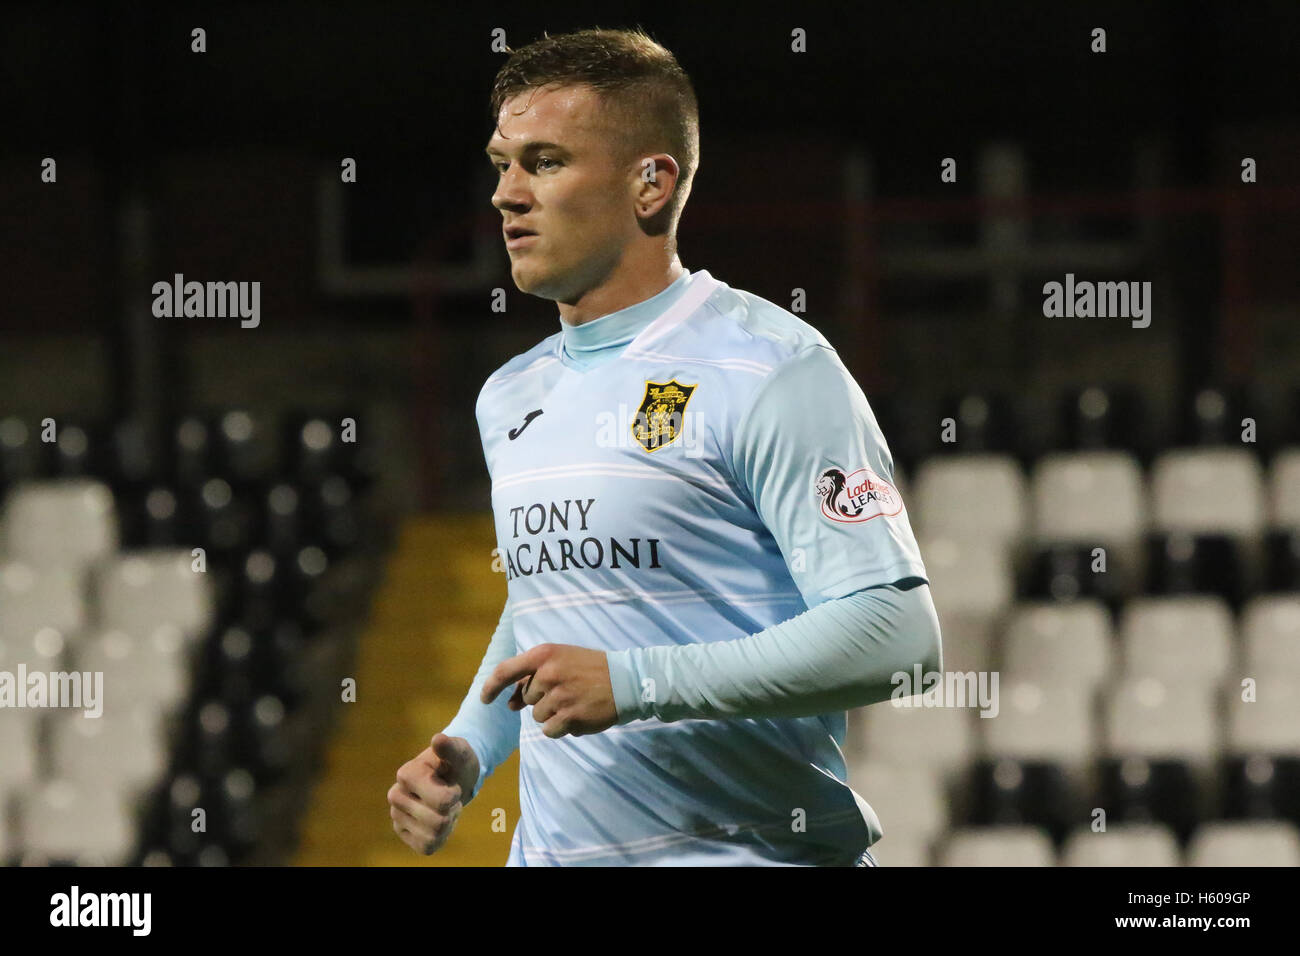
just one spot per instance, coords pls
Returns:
(842, 654)
(871, 614)
(491, 729)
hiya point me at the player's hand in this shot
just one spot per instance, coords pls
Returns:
(568, 687)
(426, 801)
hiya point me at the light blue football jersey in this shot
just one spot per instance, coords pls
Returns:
(694, 468)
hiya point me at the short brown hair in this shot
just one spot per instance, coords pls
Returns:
(639, 81)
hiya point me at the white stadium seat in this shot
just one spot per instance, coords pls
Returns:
(87, 825)
(940, 738)
(1208, 491)
(977, 496)
(1042, 722)
(1268, 724)
(1270, 635)
(1284, 489)
(972, 585)
(141, 590)
(1245, 843)
(152, 668)
(18, 743)
(891, 850)
(33, 598)
(909, 800)
(1177, 639)
(125, 752)
(68, 522)
(1059, 641)
(966, 577)
(43, 650)
(1147, 717)
(998, 846)
(1122, 844)
(1088, 497)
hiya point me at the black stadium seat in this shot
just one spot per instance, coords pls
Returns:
(1197, 564)
(1137, 790)
(1005, 791)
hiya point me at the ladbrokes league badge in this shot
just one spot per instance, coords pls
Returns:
(659, 419)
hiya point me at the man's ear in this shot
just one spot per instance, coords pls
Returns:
(658, 179)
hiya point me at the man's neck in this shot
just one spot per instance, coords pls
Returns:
(620, 293)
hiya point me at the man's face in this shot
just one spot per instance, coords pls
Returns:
(564, 177)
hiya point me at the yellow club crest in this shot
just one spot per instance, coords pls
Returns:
(659, 419)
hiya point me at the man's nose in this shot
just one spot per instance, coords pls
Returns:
(511, 192)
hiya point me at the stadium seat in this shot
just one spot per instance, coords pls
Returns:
(1208, 491)
(134, 458)
(18, 742)
(939, 738)
(155, 516)
(1268, 724)
(1104, 417)
(1042, 723)
(68, 523)
(1092, 498)
(986, 423)
(22, 454)
(1037, 793)
(1122, 844)
(1063, 572)
(1177, 639)
(909, 799)
(153, 667)
(283, 527)
(997, 846)
(1059, 641)
(244, 449)
(333, 516)
(1213, 416)
(139, 591)
(225, 519)
(45, 650)
(1284, 490)
(1232, 843)
(85, 825)
(1182, 563)
(35, 598)
(125, 750)
(1262, 786)
(1175, 792)
(972, 586)
(891, 850)
(193, 452)
(1270, 635)
(978, 497)
(1146, 717)
(1283, 560)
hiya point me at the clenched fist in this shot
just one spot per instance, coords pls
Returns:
(430, 791)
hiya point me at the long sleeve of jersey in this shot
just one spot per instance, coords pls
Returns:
(842, 654)
(491, 729)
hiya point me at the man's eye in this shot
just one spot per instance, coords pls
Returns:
(546, 162)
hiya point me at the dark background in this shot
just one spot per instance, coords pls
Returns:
(211, 165)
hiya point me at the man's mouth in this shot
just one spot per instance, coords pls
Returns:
(518, 236)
